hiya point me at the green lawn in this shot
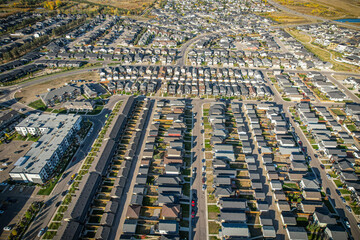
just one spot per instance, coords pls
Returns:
(38, 104)
(185, 210)
(213, 227)
(186, 189)
(351, 127)
(48, 187)
(345, 191)
(338, 183)
(338, 112)
(213, 208)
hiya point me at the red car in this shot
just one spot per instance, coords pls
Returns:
(300, 142)
(192, 214)
(193, 203)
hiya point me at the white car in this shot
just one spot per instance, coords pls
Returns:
(203, 168)
(5, 164)
(347, 224)
(2, 169)
(7, 228)
(204, 187)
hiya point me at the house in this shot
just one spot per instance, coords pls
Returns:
(231, 215)
(170, 211)
(288, 218)
(309, 184)
(168, 227)
(79, 106)
(322, 217)
(334, 232)
(268, 231)
(233, 203)
(310, 206)
(223, 191)
(129, 226)
(234, 230)
(172, 169)
(61, 94)
(133, 212)
(296, 233)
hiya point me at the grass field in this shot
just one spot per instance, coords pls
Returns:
(332, 9)
(28, 94)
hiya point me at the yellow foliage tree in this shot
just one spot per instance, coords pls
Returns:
(58, 3)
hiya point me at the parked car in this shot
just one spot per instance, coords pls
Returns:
(338, 192)
(328, 176)
(193, 203)
(194, 170)
(1, 211)
(203, 180)
(42, 231)
(347, 224)
(203, 161)
(193, 214)
(204, 187)
(2, 169)
(204, 168)
(7, 228)
(11, 188)
(322, 166)
(343, 199)
(348, 208)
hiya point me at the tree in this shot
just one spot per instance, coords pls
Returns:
(14, 232)
(58, 3)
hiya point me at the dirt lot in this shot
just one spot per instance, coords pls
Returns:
(125, 4)
(10, 153)
(28, 94)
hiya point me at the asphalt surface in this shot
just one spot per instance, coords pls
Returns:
(199, 224)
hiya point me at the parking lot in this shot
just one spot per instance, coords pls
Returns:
(9, 154)
(14, 203)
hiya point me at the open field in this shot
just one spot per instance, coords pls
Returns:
(321, 53)
(285, 18)
(125, 4)
(28, 94)
(332, 9)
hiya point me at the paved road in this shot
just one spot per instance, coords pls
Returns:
(199, 223)
(46, 214)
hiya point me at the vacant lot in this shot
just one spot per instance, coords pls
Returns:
(332, 9)
(285, 18)
(28, 94)
(124, 4)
